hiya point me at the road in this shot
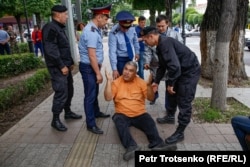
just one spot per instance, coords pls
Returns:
(194, 42)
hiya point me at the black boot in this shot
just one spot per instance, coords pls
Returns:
(168, 119)
(71, 115)
(177, 136)
(57, 124)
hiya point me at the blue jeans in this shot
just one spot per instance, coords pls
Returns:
(5, 47)
(91, 91)
(241, 126)
(38, 45)
(121, 61)
(140, 66)
(143, 122)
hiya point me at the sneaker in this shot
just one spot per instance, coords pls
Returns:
(166, 120)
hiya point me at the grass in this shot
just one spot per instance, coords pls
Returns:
(203, 113)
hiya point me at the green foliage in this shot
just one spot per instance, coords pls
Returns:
(13, 94)
(23, 47)
(15, 64)
(204, 113)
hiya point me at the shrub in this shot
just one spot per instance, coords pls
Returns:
(13, 94)
(15, 64)
(23, 47)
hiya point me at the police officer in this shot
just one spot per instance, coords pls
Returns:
(183, 75)
(60, 63)
(91, 59)
(120, 47)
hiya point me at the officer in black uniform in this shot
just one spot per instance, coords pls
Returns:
(183, 75)
(59, 63)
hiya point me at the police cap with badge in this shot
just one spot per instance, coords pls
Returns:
(125, 19)
(105, 10)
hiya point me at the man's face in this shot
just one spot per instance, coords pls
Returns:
(103, 20)
(63, 16)
(142, 23)
(129, 73)
(149, 40)
(162, 26)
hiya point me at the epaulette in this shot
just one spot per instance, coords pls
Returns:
(93, 28)
(116, 31)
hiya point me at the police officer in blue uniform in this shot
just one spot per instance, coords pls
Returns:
(60, 63)
(91, 59)
(119, 53)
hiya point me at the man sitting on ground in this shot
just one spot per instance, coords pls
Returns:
(129, 93)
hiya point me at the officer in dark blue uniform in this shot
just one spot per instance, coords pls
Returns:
(183, 75)
(60, 63)
(91, 59)
(122, 50)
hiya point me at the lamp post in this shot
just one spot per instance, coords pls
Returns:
(29, 35)
(183, 21)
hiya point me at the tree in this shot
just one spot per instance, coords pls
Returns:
(209, 28)
(221, 57)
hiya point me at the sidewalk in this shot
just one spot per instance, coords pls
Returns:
(33, 143)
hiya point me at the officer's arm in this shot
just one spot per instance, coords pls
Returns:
(112, 51)
(136, 44)
(108, 88)
(93, 60)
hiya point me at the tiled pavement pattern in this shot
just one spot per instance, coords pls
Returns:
(33, 143)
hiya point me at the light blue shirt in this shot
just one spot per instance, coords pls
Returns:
(3, 36)
(91, 37)
(117, 44)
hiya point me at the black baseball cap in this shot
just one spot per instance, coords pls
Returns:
(147, 30)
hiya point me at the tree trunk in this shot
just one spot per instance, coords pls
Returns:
(221, 60)
(236, 65)
(152, 17)
(209, 27)
(18, 20)
(38, 19)
(168, 10)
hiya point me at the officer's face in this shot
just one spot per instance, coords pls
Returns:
(129, 73)
(162, 26)
(103, 20)
(149, 39)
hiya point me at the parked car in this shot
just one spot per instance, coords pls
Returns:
(187, 33)
(195, 32)
(25, 33)
(247, 38)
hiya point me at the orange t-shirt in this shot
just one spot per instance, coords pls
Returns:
(129, 97)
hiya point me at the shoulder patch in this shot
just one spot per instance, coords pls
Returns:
(51, 35)
(116, 31)
(93, 28)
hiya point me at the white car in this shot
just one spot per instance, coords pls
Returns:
(187, 33)
(25, 33)
(247, 38)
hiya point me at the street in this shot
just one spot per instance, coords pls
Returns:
(194, 42)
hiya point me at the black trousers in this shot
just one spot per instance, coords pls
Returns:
(185, 88)
(63, 88)
(143, 122)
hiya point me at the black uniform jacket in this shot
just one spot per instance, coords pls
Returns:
(177, 58)
(56, 45)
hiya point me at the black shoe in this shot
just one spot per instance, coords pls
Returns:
(58, 125)
(166, 120)
(95, 130)
(72, 115)
(130, 152)
(165, 147)
(176, 137)
(102, 115)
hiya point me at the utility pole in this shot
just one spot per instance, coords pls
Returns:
(71, 30)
